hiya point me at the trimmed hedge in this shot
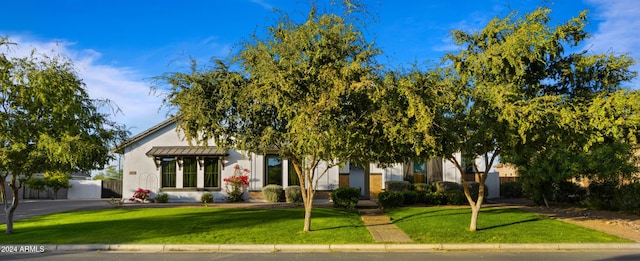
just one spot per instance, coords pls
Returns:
(456, 197)
(293, 194)
(410, 197)
(272, 193)
(435, 199)
(422, 187)
(397, 185)
(390, 199)
(345, 197)
(442, 186)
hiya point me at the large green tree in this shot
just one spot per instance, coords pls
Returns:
(301, 90)
(48, 122)
(515, 92)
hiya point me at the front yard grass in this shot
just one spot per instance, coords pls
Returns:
(495, 225)
(193, 225)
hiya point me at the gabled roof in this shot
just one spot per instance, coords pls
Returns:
(120, 148)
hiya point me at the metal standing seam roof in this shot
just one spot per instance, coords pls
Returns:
(160, 151)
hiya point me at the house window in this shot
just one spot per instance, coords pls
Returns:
(168, 172)
(419, 172)
(211, 175)
(273, 171)
(189, 173)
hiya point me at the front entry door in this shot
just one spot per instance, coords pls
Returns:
(358, 178)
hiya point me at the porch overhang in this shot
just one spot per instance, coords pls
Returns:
(160, 152)
(182, 151)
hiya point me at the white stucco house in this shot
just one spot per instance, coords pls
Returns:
(161, 160)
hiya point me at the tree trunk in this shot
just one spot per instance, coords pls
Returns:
(11, 209)
(308, 206)
(475, 210)
(306, 187)
(9, 230)
(546, 203)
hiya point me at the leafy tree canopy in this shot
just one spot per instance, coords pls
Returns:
(302, 91)
(514, 90)
(48, 122)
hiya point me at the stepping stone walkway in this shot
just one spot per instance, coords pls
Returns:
(380, 226)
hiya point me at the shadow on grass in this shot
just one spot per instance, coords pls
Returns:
(510, 224)
(432, 213)
(134, 226)
(439, 213)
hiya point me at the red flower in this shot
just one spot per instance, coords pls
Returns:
(141, 194)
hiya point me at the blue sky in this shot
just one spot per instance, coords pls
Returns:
(119, 45)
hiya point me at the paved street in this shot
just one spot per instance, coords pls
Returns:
(360, 256)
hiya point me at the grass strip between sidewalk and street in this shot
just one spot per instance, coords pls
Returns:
(207, 225)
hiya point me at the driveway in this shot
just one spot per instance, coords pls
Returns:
(30, 208)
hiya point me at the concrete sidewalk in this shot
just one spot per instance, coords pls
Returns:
(380, 225)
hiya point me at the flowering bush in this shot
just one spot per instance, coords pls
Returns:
(236, 183)
(140, 195)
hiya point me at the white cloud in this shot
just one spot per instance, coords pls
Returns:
(618, 30)
(263, 4)
(124, 86)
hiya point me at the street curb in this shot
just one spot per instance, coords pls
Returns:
(269, 248)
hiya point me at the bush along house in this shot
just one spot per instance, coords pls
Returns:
(162, 161)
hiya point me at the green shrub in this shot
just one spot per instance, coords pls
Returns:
(397, 185)
(293, 194)
(511, 189)
(569, 192)
(164, 198)
(626, 198)
(456, 197)
(601, 195)
(273, 193)
(435, 199)
(410, 197)
(422, 196)
(422, 187)
(390, 199)
(442, 186)
(345, 197)
(205, 198)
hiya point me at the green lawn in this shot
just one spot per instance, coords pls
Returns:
(195, 225)
(495, 225)
(202, 225)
